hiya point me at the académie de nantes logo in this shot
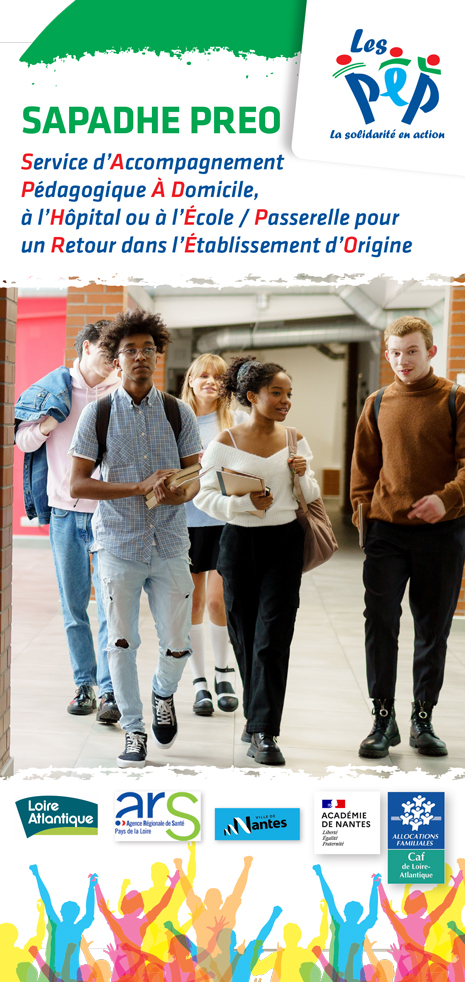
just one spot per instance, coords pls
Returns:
(400, 82)
(56, 815)
(257, 823)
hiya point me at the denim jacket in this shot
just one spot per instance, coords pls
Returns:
(50, 396)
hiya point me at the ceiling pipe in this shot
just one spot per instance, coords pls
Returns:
(374, 315)
(234, 338)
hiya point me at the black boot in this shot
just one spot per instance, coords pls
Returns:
(422, 735)
(385, 732)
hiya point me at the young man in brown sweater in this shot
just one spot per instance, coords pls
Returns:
(409, 468)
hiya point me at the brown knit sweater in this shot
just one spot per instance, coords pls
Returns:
(412, 454)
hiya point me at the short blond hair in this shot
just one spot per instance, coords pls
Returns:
(218, 366)
(410, 325)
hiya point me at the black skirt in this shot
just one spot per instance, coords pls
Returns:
(203, 552)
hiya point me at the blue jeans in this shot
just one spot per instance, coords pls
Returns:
(169, 587)
(72, 542)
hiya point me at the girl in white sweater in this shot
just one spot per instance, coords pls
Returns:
(260, 559)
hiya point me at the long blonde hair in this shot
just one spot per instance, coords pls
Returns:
(219, 367)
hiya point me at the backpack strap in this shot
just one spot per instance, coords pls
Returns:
(101, 426)
(453, 407)
(170, 406)
(172, 413)
(379, 396)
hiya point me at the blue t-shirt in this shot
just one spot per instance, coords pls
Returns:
(209, 427)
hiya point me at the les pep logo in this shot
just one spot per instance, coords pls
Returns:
(367, 88)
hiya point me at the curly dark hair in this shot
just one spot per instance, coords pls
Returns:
(252, 379)
(134, 322)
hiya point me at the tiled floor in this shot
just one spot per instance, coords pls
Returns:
(327, 711)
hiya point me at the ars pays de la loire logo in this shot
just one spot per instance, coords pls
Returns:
(410, 82)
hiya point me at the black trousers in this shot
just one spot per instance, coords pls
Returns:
(432, 557)
(261, 570)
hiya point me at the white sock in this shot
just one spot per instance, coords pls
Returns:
(220, 643)
(197, 658)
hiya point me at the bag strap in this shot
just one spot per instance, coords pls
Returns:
(292, 444)
(171, 409)
(172, 413)
(101, 426)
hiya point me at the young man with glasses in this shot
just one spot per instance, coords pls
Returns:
(46, 417)
(140, 548)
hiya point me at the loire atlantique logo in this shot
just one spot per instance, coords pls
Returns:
(56, 815)
(377, 72)
(156, 815)
(257, 823)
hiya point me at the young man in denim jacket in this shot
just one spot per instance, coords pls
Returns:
(47, 414)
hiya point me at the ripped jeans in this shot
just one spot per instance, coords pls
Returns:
(168, 585)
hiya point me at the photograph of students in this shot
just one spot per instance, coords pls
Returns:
(260, 559)
(409, 468)
(140, 548)
(202, 392)
(47, 414)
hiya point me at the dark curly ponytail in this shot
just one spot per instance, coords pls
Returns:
(246, 374)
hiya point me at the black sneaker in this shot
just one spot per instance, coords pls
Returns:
(108, 711)
(84, 701)
(135, 751)
(164, 725)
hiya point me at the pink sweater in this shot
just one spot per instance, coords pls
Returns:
(29, 438)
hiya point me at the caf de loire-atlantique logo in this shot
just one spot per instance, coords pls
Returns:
(393, 76)
(417, 813)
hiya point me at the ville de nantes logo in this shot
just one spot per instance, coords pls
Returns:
(157, 816)
(404, 80)
(56, 815)
(416, 837)
(257, 823)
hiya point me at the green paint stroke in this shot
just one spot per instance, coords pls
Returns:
(271, 28)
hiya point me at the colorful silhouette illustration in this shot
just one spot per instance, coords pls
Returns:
(292, 956)
(156, 939)
(129, 930)
(66, 930)
(413, 929)
(10, 955)
(349, 929)
(206, 912)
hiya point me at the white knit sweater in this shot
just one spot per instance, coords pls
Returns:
(276, 474)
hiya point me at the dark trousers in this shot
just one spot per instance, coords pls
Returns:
(432, 557)
(261, 570)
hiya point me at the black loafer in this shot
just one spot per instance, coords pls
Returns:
(203, 705)
(108, 711)
(265, 750)
(84, 701)
(227, 699)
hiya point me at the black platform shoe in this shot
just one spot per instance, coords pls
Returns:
(422, 735)
(227, 699)
(203, 704)
(385, 732)
(265, 750)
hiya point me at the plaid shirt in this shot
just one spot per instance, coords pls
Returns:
(140, 441)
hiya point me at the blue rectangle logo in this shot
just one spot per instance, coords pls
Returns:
(416, 820)
(233, 824)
